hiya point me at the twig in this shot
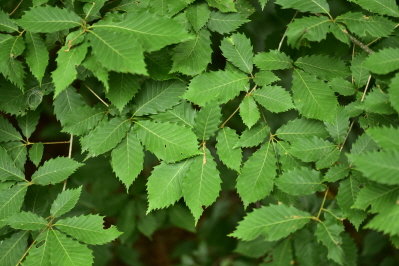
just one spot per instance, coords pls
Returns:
(357, 42)
(15, 9)
(224, 123)
(285, 32)
(69, 156)
(322, 204)
(96, 95)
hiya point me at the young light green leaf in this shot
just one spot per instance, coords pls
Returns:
(152, 31)
(313, 6)
(55, 170)
(106, 136)
(36, 153)
(6, 24)
(115, 51)
(274, 98)
(253, 136)
(382, 7)
(201, 185)
(226, 139)
(328, 232)
(312, 97)
(386, 137)
(381, 167)
(383, 61)
(323, 66)
(311, 149)
(7, 169)
(122, 88)
(10, 48)
(182, 114)
(169, 142)
(249, 111)
(257, 175)
(207, 121)
(8, 132)
(198, 14)
(81, 119)
(164, 184)
(312, 28)
(11, 200)
(336, 173)
(225, 22)
(386, 221)
(158, 96)
(65, 102)
(28, 122)
(342, 86)
(37, 55)
(237, 49)
(88, 229)
(49, 19)
(218, 85)
(192, 57)
(272, 60)
(223, 5)
(273, 222)
(68, 252)
(11, 249)
(26, 221)
(301, 128)
(265, 77)
(65, 201)
(339, 128)
(127, 159)
(300, 181)
(376, 195)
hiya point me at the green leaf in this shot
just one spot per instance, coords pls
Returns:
(8, 132)
(286, 159)
(346, 197)
(311, 149)
(257, 175)
(36, 199)
(264, 78)
(65, 102)
(132, 5)
(159, 64)
(360, 73)
(272, 60)
(218, 85)
(169, 142)
(18, 152)
(68, 252)
(336, 173)
(127, 159)
(158, 96)
(381, 167)
(115, 51)
(36, 55)
(383, 61)
(225, 23)
(82, 119)
(358, 23)
(282, 254)
(97, 69)
(312, 28)
(253, 136)
(7, 169)
(323, 66)
(328, 232)
(274, 98)
(394, 93)
(106, 136)
(36, 153)
(55, 170)
(363, 144)
(65, 201)
(386, 221)
(26, 221)
(303, 181)
(263, 3)
(122, 88)
(249, 111)
(226, 139)
(10, 48)
(180, 216)
(198, 14)
(342, 86)
(237, 49)
(152, 31)
(382, 7)
(273, 222)
(378, 196)
(164, 184)
(49, 19)
(223, 5)
(386, 137)
(312, 97)
(29, 122)
(340, 126)
(207, 121)
(148, 222)
(176, 6)
(255, 248)
(11, 201)
(12, 249)
(301, 128)
(338, 30)
(88, 229)
(192, 57)
(6, 24)
(182, 114)
(201, 185)
(313, 6)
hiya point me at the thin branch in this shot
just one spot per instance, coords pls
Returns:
(322, 204)
(15, 9)
(285, 32)
(69, 156)
(358, 43)
(96, 95)
(57, 142)
(227, 120)
(365, 89)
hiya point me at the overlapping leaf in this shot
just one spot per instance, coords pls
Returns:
(122, 88)
(6, 24)
(183, 114)
(300, 181)
(83, 118)
(311, 149)
(12, 248)
(238, 50)
(55, 170)
(253, 136)
(223, 5)
(386, 221)
(225, 22)
(313, 6)
(311, 28)
(323, 66)
(7, 169)
(383, 61)
(65, 102)
(382, 7)
(342, 86)
(376, 195)
(274, 98)
(11, 201)
(207, 121)
(37, 55)
(10, 48)
(301, 127)
(198, 14)
(386, 137)
(8, 132)
(272, 60)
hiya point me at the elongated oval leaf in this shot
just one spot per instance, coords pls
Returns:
(225, 22)
(55, 170)
(313, 6)
(226, 139)
(65, 201)
(274, 98)
(303, 181)
(238, 50)
(7, 169)
(26, 221)
(207, 121)
(272, 60)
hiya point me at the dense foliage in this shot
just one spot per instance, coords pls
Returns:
(207, 132)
